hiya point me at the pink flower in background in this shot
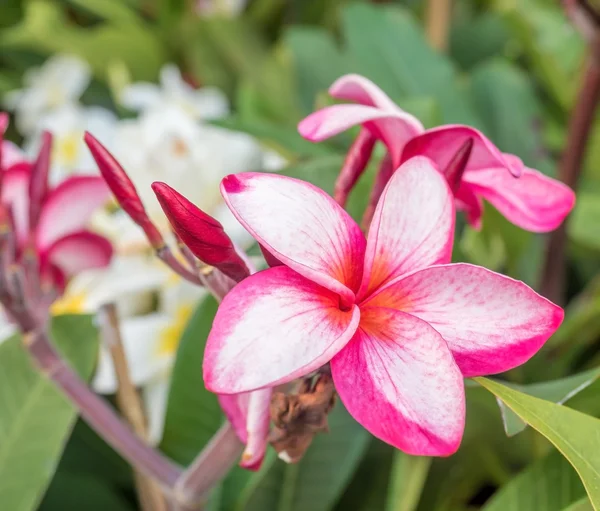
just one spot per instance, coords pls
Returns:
(53, 221)
(533, 202)
(399, 325)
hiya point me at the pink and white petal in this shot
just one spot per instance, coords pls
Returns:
(79, 251)
(413, 225)
(441, 144)
(472, 205)
(15, 192)
(257, 426)
(533, 201)
(491, 322)
(11, 154)
(353, 87)
(394, 127)
(301, 226)
(273, 327)
(69, 207)
(399, 380)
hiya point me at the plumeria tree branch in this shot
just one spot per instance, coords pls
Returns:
(578, 134)
(437, 23)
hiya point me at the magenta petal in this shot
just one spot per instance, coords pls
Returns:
(394, 127)
(441, 144)
(353, 87)
(466, 200)
(273, 327)
(533, 201)
(413, 225)
(15, 193)
(79, 251)
(69, 207)
(491, 323)
(301, 226)
(398, 379)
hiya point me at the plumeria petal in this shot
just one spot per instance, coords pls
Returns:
(11, 154)
(534, 201)
(301, 226)
(398, 379)
(69, 207)
(412, 227)
(353, 87)
(466, 200)
(394, 127)
(79, 251)
(249, 415)
(273, 327)
(441, 144)
(15, 192)
(491, 323)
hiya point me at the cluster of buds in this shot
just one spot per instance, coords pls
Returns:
(205, 255)
(43, 240)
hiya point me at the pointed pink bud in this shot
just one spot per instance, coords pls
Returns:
(203, 235)
(386, 169)
(123, 189)
(457, 165)
(354, 165)
(38, 184)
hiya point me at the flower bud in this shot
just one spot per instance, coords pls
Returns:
(457, 165)
(354, 165)
(123, 189)
(202, 234)
(38, 184)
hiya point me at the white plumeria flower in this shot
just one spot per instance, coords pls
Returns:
(220, 7)
(167, 145)
(68, 125)
(61, 80)
(6, 327)
(174, 92)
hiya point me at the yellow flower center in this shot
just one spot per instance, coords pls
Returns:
(69, 304)
(67, 149)
(171, 335)
(180, 148)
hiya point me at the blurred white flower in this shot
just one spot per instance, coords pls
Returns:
(6, 327)
(174, 92)
(220, 7)
(58, 82)
(167, 145)
(67, 125)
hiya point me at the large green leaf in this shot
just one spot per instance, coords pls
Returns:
(407, 479)
(581, 505)
(549, 484)
(557, 391)
(35, 418)
(583, 225)
(574, 434)
(317, 481)
(193, 413)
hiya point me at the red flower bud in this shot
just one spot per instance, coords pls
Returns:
(202, 234)
(457, 165)
(38, 184)
(123, 189)
(354, 165)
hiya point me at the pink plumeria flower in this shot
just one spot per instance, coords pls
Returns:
(399, 326)
(53, 221)
(534, 202)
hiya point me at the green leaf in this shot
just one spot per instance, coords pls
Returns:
(79, 491)
(193, 413)
(581, 505)
(407, 480)
(549, 484)
(317, 481)
(583, 225)
(574, 434)
(35, 418)
(556, 391)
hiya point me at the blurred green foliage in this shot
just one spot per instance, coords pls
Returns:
(512, 70)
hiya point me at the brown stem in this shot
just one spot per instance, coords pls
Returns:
(149, 493)
(437, 23)
(582, 117)
(166, 256)
(209, 467)
(98, 414)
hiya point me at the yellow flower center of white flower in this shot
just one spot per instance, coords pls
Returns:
(171, 335)
(180, 148)
(69, 304)
(66, 150)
